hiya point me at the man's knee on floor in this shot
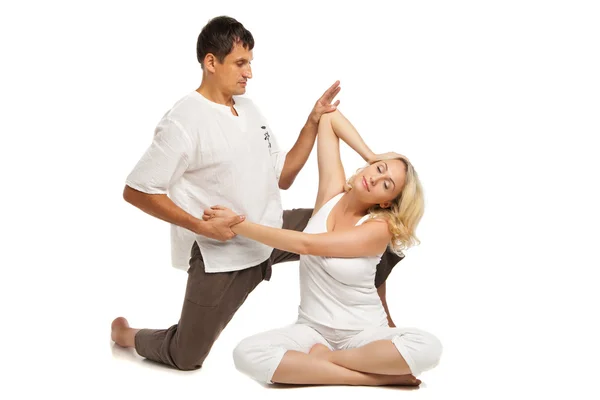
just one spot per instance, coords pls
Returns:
(188, 360)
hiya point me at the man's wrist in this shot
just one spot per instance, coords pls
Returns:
(199, 227)
(313, 120)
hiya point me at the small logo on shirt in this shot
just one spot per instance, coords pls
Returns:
(267, 137)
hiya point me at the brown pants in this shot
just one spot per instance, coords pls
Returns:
(211, 300)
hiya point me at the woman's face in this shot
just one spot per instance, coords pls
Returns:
(380, 182)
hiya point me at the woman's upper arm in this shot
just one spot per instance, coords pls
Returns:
(331, 171)
(368, 239)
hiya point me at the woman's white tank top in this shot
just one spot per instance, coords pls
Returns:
(339, 293)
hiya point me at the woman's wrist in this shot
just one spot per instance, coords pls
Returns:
(369, 156)
(238, 228)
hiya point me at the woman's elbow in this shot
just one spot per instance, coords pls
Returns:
(306, 246)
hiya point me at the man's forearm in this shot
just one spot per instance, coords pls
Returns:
(298, 155)
(163, 208)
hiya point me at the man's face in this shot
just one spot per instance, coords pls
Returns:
(232, 75)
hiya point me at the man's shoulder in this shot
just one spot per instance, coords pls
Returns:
(188, 102)
(188, 109)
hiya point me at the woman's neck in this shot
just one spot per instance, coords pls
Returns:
(351, 206)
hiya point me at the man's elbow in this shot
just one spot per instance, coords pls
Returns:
(127, 194)
(131, 195)
(284, 184)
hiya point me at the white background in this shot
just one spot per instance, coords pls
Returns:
(496, 103)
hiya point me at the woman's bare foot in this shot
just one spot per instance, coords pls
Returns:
(319, 350)
(121, 333)
(407, 380)
(392, 380)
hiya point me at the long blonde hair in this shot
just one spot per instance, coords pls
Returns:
(406, 209)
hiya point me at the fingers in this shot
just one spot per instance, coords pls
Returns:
(213, 214)
(208, 214)
(335, 85)
(333, 107)
(331, 96)
(223, 237)
(216, 210)
(336, 91)
(229, 235)
(332, 91)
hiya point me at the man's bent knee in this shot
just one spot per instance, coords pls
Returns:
(188, 360)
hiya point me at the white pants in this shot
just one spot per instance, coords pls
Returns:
(259, 356)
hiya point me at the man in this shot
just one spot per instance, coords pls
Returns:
(215, 147)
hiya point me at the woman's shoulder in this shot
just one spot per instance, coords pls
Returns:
(376, 218)
(380, 222)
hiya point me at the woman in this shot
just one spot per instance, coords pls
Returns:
(342, 334)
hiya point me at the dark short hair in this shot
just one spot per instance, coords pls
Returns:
(218, 37)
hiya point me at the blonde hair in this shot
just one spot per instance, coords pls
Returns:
(406, 209)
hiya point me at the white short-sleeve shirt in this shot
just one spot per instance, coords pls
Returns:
(202, 155)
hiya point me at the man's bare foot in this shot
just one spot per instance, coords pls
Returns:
(319, 350)
(121, 333)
